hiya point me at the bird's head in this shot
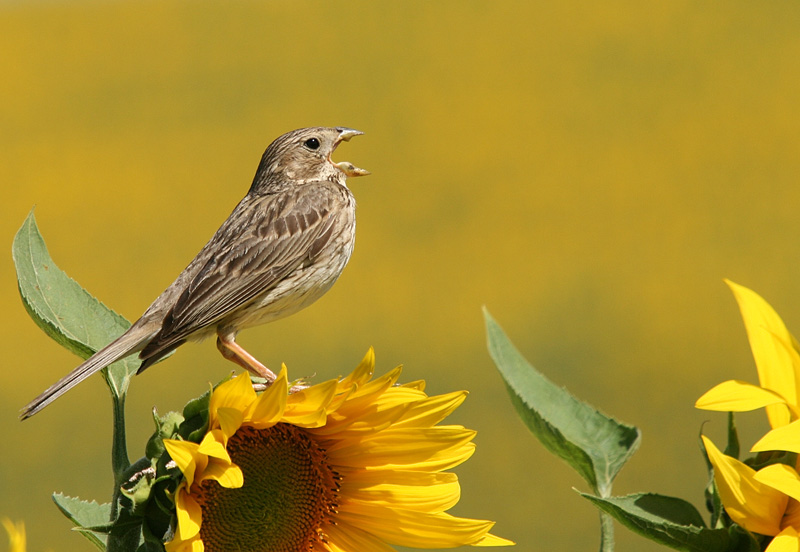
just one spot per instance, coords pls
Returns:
(305, 154)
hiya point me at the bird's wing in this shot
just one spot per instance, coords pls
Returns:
(257, 247)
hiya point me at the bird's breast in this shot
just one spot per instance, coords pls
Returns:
(310, 280)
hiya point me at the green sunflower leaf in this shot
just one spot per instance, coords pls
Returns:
(87, 516)
(63, 309)
(595, 445)
(672, 522)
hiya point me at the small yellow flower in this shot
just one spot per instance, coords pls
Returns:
(16, 535)
(350, 464)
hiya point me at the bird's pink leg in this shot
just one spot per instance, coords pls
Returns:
(235, 353)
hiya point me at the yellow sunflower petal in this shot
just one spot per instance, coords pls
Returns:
(433, 496)
(794, 355)
(443, 460)
(236, 393)
(785, 541)
(432, 410)
(308, 419)
(370, 391)
(781, 478)
(781, 438)
(493, 540)
(400, 446)
(359, 428)
(229, 420)
(268, 408)
(738, 396)
(419, 385)
(401, 393)
(349, 539)
(186, 456)
(753, 505)
(775, 368)
(395, 396)
(366, 479)
(190, 516)
(358, 400)
(309, 407)
(363, 371)
(422, 500)
(417, 530)
(382, 415)
(211, 445)
(226, 474)
(192, 545)
(365, 401)
(341, 396)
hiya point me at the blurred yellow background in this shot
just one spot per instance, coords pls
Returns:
(589, 172)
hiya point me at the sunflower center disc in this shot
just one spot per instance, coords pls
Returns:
(289, 491)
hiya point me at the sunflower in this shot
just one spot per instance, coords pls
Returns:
(347, 465)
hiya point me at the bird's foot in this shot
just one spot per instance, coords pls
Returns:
(236, 353)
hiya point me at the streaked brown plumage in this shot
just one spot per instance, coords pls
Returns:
(281, 249)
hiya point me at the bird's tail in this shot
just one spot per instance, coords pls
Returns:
(130, 342)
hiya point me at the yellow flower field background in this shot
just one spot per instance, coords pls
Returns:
(589, 173)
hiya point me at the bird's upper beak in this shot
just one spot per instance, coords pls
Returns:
(345, 166)
(346, 133)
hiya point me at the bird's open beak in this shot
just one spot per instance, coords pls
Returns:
(345, 166)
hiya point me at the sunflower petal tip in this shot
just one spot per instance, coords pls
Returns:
(494, 540)
(369, 359)
(733, 285)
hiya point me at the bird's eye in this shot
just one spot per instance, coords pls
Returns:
(312, 143)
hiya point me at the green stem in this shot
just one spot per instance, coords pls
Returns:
(606, 533)
(124, 537)
(119, 451)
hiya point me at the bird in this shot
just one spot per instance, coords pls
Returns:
(283, 246)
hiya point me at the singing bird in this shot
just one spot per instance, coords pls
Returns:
(281, 249)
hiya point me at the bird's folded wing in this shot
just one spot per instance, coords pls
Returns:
(256, 248)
